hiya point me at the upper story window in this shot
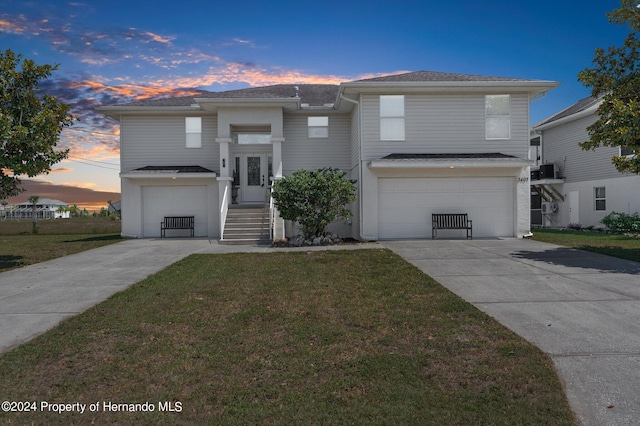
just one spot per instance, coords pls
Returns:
(318, 127)
(600, 197)
(193, 128)
(392, 117)
(497, 113)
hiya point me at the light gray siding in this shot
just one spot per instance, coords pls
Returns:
(301, 152)
(560, 146)
(445, 123)
(160, 141)
(355, 136)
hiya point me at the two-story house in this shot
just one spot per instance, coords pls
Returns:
(416, 143)
(573, 186)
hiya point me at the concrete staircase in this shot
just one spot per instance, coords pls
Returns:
(247, 225)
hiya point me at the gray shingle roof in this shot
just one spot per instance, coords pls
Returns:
(175, 169)
(312, 94)
(493, 155)
(423, 76)
(317, 94)
(579, 106)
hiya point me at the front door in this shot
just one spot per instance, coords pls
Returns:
(255, 183)
(574, 207)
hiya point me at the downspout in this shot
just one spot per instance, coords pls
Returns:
(353, 101)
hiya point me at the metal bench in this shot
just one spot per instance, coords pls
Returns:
(450, 221)
(177, 222)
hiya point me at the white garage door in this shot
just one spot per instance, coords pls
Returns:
(161, 201)
(405, 205)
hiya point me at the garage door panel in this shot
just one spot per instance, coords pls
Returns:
(406, 205)
(161, 201)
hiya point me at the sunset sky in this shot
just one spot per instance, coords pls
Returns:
(114, 52)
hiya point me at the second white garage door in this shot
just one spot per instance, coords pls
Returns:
(405, 205)
(161, 201)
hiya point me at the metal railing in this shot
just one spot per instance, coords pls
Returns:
(223, 210)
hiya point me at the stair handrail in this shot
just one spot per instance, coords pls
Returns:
(271, 213)
(223, 211)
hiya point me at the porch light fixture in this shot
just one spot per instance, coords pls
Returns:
(224, 163)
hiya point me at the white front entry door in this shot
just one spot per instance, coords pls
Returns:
(574, 209)
(255, 184)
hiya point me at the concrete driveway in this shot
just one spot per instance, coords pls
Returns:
(581, 308)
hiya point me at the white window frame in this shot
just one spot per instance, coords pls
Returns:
(496, 118)
(318, 127)
(193, 132)
(392, 118)
(600, 197)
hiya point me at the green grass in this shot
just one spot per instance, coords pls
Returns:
(55, 238)
(624, 247)
(336, 337)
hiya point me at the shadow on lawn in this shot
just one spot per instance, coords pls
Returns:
(8, 261)
(581, 258)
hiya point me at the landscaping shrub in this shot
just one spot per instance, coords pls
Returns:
(622, 223)
(314, 199)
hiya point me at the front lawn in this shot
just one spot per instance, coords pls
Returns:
(624, 247)
(334, 337)
(56, 238)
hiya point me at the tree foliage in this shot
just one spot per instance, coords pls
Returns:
(615, 77)
(314, 199)
(30, 124)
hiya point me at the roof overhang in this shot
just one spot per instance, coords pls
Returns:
(352, 90)
(580, 114)
(116, 112)
(170, 172)
(450, 162)
(212, 104)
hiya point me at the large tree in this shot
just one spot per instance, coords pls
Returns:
(30, 123)
(615, 77)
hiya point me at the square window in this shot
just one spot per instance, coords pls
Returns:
(318, 127)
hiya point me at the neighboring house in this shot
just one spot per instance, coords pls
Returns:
(46, 208)
(416, 143)
(573, 186)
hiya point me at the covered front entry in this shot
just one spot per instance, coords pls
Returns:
(405, 205)
(255, 172)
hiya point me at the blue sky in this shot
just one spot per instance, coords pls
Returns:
(118, 51)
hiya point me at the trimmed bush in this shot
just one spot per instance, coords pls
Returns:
(314, 199)
(622, 223)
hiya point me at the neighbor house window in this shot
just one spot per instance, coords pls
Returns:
(497, 113)
(193, 126)
(392, 118)
(600, 198)
(318, 127)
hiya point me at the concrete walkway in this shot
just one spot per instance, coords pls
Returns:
(581, 308)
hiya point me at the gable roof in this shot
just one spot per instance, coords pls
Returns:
(581, 106)
(329, 95)
(424, 76)
(312, 94)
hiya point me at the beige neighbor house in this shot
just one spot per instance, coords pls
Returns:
(416, 143)
(572, 186)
